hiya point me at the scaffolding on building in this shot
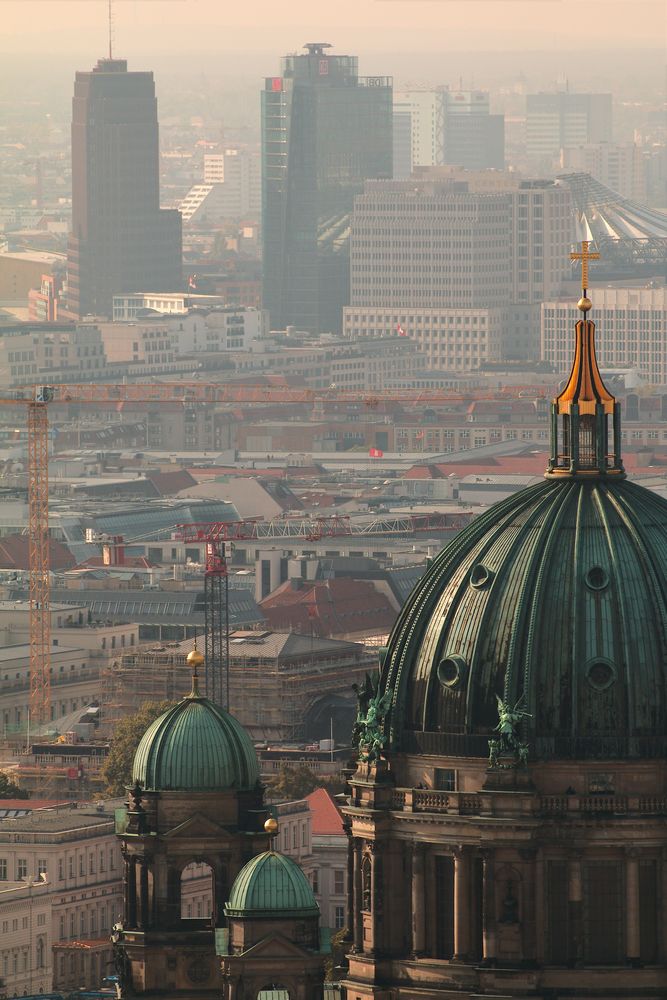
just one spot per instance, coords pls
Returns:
(270, 696)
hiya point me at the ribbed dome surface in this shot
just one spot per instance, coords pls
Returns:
(271, 884)
(195, 746)
(557, 597)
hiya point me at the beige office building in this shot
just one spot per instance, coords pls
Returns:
(458, 261)
(633, 325)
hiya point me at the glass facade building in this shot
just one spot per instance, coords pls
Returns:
(325, 130)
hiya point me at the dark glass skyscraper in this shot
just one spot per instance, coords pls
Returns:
(121, 240)
(325, 130)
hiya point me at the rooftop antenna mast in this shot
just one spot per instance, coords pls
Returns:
(110, 5)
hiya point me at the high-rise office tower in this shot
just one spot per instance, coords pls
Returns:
(565, 119)
(419, 119)
(472, 137)
(459, 261)
(120, 237)
(325, 130)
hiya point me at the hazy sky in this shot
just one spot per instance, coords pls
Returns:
(146, 26)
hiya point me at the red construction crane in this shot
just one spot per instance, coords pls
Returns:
(219, 537)
(37, 400)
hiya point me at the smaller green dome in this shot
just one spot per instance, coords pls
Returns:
(196, 746)
(271, 885)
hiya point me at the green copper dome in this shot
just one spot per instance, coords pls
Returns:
(555, 598)
(195, 746)
(271, 885)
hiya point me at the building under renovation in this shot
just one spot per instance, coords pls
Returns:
(282, 686)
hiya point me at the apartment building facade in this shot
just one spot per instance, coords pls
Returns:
(62, 870)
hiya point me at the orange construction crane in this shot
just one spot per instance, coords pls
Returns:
(37, 400)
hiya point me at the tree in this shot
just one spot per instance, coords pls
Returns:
(296, 782)
(8, 790)
(117, 768)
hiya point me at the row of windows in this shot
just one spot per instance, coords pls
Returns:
(90, 922)
(106, 857)
(18, 961)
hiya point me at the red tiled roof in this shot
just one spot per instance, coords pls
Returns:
(491, 406)
(14, 553)
(334, 607)
(424, 472)
(326, 820)
(93, 944)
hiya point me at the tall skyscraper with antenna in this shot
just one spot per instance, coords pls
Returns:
(121, 239)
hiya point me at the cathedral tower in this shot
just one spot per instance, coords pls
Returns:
(197, 806)
(507, 815)
(252, 928)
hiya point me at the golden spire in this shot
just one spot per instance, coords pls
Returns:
(580, 413)
(195, 660)
(584, 303)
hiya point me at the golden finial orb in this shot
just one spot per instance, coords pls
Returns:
(584, 304)
(195, 659)
(271, 826)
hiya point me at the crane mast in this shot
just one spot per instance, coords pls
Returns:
(37, 399)
(38, 547)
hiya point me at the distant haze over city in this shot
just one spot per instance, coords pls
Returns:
(151, 26)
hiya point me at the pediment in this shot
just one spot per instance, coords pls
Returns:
(277, 946)
(197, 827)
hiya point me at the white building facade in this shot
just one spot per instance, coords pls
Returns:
(634, 325)
(60, 894)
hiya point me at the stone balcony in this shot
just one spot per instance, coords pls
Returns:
(486, 803)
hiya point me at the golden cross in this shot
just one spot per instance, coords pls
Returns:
(584, 257)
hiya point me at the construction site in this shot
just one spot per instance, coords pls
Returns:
(283, 687)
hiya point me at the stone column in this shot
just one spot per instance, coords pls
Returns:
(131, 900)
(418, 901)
(349, 936)
(662, 906)
(377, 935)
(358, 901)
(430, 903)
(144, 915)
(632, 932)
(489, 912)
(540, 912)
(461, 903)
(575, 910)
(528, 915)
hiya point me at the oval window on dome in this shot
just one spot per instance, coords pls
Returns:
(452, 671)
(597, 578)
(480, 576)
(600, 674)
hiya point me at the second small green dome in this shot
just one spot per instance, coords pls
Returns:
(271, 885)
(196, 746)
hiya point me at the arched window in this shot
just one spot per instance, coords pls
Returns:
(39, 953)
(197, 891)
(366, 884)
